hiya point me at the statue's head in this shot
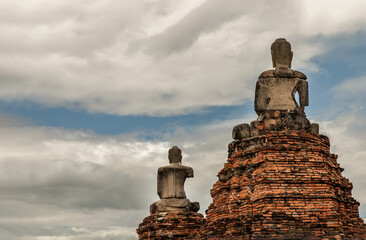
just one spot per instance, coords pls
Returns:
(175, 155)
(281, 53)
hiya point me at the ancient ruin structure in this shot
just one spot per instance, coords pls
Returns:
(173, 216)
(280, 180)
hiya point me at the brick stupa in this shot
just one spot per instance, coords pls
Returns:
(280, 180)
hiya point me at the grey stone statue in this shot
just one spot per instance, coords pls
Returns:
(275, 101)
(276, 89)
(171, 180)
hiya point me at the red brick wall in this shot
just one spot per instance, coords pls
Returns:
(173, 225)
(283, 185)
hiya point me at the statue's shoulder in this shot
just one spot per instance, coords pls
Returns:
(267, 74)
(183, 167)
(174, 166)
(298, 74)
(271, 74)
(188, 168)
(164, 168)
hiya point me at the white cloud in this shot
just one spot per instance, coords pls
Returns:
(80, 185)
(155, 57)
(351, 92)
(329, 17)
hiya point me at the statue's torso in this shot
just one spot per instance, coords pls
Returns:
(276, 93)
(171, 181)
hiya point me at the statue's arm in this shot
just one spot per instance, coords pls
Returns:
(160, 183)
(190, 172)
(256, 97)
(303, 94)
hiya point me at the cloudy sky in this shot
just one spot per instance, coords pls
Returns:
(94, 92)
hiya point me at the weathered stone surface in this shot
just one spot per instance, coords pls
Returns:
(174, 204)
(283, 120)
(272, 74)
(282, 185)
(170, 204)
(315, 128)
(281, 54)
(279, 94)
(241, 131)
(195, 206)
(254, 128)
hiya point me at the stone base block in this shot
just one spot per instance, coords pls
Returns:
(174, 204)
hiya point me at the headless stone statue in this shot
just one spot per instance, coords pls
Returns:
(171, 180)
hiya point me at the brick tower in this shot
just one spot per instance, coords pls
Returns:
(280, 180)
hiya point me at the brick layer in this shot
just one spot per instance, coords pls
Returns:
(283, 185)
(172, 225)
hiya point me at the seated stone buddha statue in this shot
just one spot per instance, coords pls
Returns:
(171, 179)
(275, 89)
(275, 101)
